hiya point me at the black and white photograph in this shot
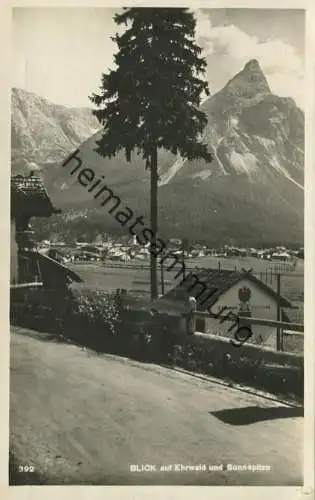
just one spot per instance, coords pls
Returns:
(157, 246)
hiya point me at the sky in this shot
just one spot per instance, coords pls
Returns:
(60, 53)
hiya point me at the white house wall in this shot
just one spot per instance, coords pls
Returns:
(262, 305)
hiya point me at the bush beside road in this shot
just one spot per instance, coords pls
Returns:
(96, 320)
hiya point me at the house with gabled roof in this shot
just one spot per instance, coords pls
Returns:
(236, 291)
(29, 199)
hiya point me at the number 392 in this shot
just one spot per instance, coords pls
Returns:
(26, 468)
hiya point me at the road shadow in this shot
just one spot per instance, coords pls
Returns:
(252, 414)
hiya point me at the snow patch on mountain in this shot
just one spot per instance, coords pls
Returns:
(243, 162)
(172, 171)
(203, 174)
(275, 163)
(267, 143)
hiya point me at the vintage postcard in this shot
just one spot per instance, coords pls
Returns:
(159, 165)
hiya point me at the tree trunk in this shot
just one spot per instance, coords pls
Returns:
(154, 224)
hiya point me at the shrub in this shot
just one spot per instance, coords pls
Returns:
(101, 320)
(98, 308)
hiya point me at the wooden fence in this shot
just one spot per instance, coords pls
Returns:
(272, 270)
(245, 322)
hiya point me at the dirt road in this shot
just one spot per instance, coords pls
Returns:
(82, 418)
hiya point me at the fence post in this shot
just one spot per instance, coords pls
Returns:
(278, 312)
(281, 319)
(191, 318)
(162, 277)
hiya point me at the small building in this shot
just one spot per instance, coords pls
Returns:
(239, 292)
(28, 266)
(92, 249)
(283, 256)
(174, 242)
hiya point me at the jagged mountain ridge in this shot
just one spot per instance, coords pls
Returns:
(253, 188)
(43, 133)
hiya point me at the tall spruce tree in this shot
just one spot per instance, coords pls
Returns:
(151, 99)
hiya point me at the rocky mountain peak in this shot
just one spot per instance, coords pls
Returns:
(251, 192)
(249, 82)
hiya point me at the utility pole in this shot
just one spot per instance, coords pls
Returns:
(281, 342)
(154, 221)
(185, 246)
(162, 276)
(278, 312)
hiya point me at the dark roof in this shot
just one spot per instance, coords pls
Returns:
(29, 197)
(52, 266)
(215, 282)
(52, 273)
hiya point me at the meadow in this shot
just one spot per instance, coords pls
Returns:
(135, 275)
